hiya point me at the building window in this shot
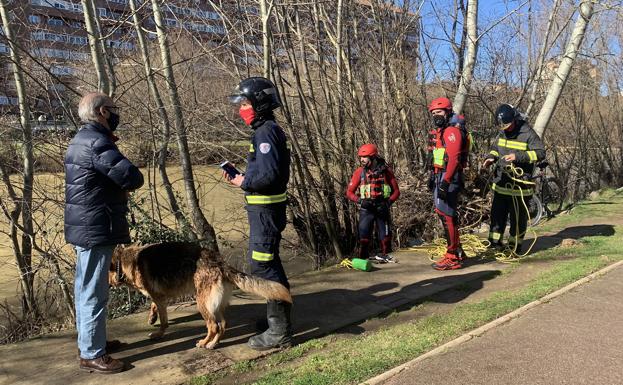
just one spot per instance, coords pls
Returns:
(62, 70)
(61, 38)
(4, 100)
(58, 4)
(56, 22)
(34, 19)
(120, 44)
(57, 87)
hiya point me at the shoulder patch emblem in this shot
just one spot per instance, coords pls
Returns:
(264, 148)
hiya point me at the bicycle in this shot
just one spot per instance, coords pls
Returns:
(547, 198)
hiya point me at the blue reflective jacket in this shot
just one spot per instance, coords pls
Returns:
(268, 168)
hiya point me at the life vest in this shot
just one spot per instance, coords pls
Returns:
(373, 184)
(440, 157)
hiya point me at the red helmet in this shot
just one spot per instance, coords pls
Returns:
(368, 150)
(440, 104)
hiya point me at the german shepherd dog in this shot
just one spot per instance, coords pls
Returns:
(166, 271)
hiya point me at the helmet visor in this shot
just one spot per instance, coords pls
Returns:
(236, 99)
(237, 96)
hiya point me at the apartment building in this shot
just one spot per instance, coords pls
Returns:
(53, 36)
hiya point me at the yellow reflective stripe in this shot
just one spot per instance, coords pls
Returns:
(439, 157)
(265, 199)
(512, 192)
(495, 236)
(494, 153)
(251, 149)
(515, 145)
(263, 257)
(387, 191)
(532, 155)
(364, 191)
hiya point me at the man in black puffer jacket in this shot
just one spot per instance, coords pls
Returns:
(98, 179)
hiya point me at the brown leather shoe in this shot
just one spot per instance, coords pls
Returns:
(104, 365)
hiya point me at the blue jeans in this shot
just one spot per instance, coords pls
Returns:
(91, 297)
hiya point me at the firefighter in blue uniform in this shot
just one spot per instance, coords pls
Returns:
(265, 183)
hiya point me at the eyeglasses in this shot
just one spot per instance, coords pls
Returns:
(113, 109)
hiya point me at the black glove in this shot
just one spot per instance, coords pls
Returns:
(442, 190)
(431, 182)
(367, 204)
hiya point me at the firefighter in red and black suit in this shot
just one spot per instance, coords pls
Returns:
(374, 186)
(450, 148)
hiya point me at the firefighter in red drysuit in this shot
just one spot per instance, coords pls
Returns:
(374, 186)
(449, 149)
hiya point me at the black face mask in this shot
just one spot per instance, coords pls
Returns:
(113, 121)
(439, 121)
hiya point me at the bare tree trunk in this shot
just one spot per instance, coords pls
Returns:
(379, 10)
(467, 72)
(311, 117)
(203, 227)
(459, 49)
(62, 283)
(536, 79)
(560, 78)
(266, 8)
(164, 118)
(24, 256)
(88, 8)
(342, 61)
(108, 57)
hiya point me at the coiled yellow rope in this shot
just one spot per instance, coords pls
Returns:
(473, 245)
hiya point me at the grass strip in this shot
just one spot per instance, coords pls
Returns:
(351, 361)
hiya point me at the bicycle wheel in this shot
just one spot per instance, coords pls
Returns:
(553, 199)
(535, 209)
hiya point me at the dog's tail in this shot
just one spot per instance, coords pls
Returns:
(264, 288)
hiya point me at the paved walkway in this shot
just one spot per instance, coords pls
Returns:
(324, 302)
(576, 339)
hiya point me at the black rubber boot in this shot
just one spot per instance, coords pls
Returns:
(279, 333)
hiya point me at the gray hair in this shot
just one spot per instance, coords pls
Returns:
(88, 108)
